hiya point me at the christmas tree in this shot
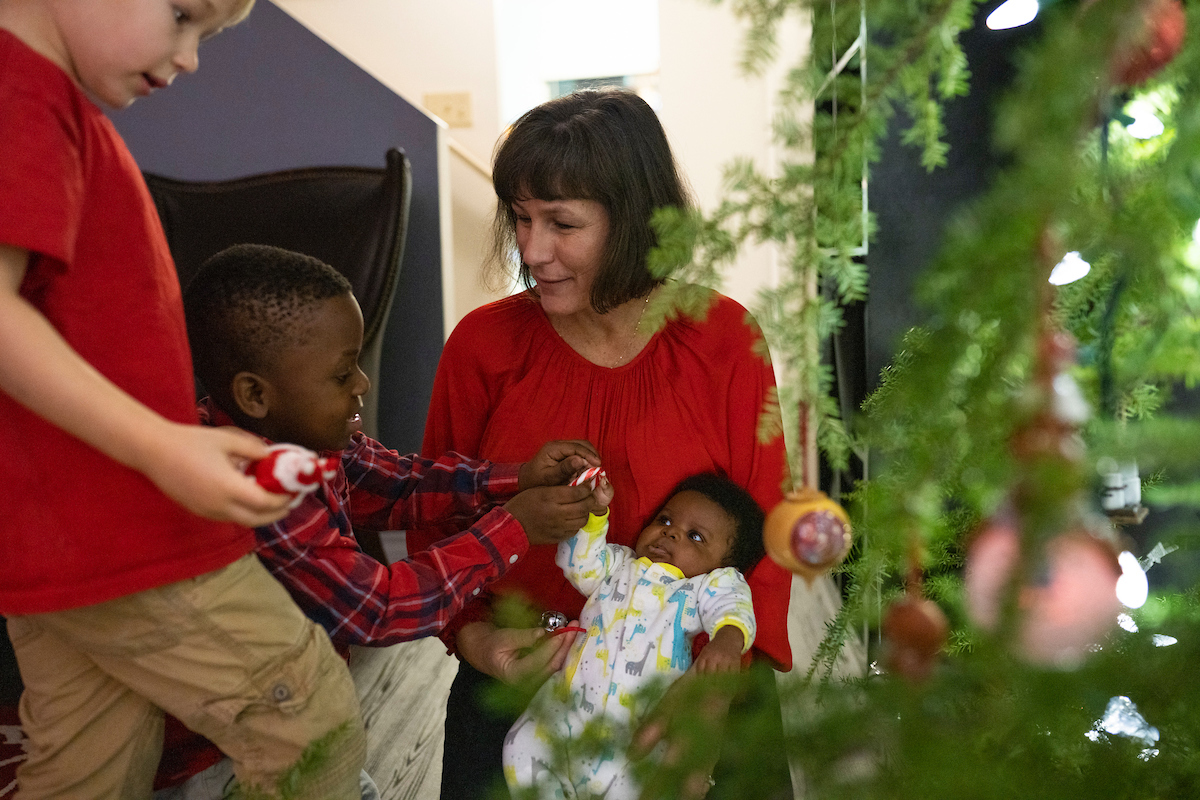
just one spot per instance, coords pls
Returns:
(982, 554)
(1003, 664)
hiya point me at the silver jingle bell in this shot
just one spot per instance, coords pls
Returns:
(553, 620)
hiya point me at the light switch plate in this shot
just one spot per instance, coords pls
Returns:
(453, 107)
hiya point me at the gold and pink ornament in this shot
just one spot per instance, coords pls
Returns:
(807, 533)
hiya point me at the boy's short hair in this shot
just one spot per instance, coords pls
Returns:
(244, 303)
(747, 547)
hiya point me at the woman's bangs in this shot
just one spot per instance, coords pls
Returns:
(546, 173)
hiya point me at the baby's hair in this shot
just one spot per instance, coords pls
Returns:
(747, 549)
(244, 303)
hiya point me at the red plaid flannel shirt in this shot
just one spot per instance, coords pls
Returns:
(313, 553)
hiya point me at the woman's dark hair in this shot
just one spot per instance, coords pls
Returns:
(605, 145)
(747, 548)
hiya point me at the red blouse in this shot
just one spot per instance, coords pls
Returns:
(689, 402)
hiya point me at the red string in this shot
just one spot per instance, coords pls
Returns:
(575, 628)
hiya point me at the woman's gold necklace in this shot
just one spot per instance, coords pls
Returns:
(633, 337)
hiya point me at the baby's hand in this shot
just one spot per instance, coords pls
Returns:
(556, 463)
(550, 514)
(723, 653)
(603, 493)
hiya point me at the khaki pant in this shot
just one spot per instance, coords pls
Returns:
(228, 653)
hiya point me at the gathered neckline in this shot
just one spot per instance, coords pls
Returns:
(545, 320)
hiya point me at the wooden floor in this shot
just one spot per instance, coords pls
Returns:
(403, 690)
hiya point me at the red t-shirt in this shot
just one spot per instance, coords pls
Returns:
(689, 402)
(76, 527)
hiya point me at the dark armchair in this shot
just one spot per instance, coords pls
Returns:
(352, 218)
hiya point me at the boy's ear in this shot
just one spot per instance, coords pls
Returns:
(250, 394)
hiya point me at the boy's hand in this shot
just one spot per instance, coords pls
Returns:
(201, 469)
(723, 653)
(556, 463)
(550, 514)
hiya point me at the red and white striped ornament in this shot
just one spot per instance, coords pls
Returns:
(292, 470)
(591, 476)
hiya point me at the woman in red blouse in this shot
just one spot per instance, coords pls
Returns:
(577, 180)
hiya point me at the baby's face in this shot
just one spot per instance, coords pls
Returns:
(691, 532)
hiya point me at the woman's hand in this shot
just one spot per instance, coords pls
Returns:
(556, 463)
(690, 719)
(691, 715)
(506, 654)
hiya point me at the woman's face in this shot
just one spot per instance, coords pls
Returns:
(562, 243)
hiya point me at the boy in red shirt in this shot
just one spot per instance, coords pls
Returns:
(125, 566)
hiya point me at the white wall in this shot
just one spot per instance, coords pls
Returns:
(712, 114)
(538, 41)
(417, 47)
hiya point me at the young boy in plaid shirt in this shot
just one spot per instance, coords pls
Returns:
(275, 337)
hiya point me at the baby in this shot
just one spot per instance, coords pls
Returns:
(644, 607)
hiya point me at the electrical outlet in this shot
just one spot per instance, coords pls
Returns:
(453, 107)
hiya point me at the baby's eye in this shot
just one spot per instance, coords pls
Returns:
(695, 536)
(181, 16)
(664, 520)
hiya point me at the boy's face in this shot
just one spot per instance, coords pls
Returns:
(691, 532)
(120, 50)
(313, 390)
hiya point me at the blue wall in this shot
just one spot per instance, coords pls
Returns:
(271, 95)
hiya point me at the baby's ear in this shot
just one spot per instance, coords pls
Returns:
(731, 556)
(250, 394)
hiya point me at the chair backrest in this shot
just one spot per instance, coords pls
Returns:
(352, 218)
